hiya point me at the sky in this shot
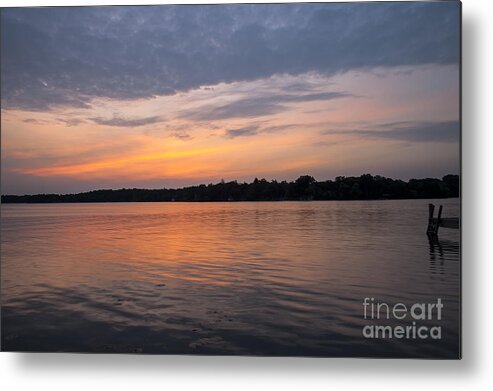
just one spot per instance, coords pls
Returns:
(171, 96)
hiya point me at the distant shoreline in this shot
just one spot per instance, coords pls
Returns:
(215, 202)
(363, 188)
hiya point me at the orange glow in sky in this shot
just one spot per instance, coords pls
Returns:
(238, 131)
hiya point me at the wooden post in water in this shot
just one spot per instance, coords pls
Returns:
(434, 224)
(430, 231)
(439, 217)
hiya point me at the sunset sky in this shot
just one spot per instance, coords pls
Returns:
(169, 96)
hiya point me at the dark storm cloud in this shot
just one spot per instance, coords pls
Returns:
(447, 131)
(256, 106)
(67, 56)
(127, 123)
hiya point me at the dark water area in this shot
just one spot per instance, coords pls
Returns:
(253, 278)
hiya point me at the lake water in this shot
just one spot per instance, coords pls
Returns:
(256, 278)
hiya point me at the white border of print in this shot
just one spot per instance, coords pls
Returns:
(131, 372)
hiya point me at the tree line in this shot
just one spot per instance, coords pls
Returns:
(305, 188)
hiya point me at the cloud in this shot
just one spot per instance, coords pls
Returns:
(246, 131)
(243, 108)
(257, 129)
(71, 121)
(33, 121)
(127, 123)
(69, 55)
(441, 132)
(280, 128)
(255, 106)
(182, 136)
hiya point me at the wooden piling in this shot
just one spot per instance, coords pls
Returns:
(435, 223)
(431, 230)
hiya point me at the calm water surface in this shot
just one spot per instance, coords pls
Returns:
(261, 278)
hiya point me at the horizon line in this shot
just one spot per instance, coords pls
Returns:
(225, 182)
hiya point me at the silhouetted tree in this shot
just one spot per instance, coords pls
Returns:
(364, 187)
